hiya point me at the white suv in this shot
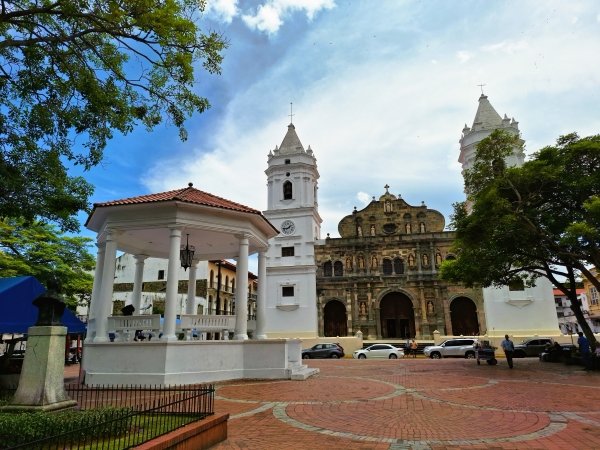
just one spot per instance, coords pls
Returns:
(461, 348)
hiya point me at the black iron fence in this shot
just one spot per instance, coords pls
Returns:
(121, 417)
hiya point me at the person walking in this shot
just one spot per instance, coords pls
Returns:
(584, 350)
(509, 350)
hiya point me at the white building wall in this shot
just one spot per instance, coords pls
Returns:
(522, 313)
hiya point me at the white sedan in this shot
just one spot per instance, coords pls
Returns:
(379, 351)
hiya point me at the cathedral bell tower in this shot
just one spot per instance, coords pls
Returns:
(486, 121)
(290, 261)
(525, 311)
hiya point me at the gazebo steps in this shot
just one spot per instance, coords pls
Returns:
(302, 372)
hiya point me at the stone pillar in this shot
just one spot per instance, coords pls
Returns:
(94, 300)
(378, 322)
(241, 293)
(41, 384)
(261, 300)
(172, 284)
(138, 280)
(190, 307)
(106, 289)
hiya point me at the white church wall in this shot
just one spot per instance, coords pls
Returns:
(521, 313)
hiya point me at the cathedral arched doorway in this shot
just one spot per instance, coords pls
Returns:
(334, 319)
(397, 316)
(463, 315)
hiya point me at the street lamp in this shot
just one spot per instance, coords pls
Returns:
(186, 254)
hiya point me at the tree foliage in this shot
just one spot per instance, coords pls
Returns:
(74, 71)
(39, 250)
(538, 220)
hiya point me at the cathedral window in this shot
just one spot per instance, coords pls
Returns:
(161, 275)
(516, 285)
(287, 291)
(389, 228)
(387, 266)
(226, 283)
(287, 251)
(287, 190)
(338, 269)
(398, 266)
(327, 269)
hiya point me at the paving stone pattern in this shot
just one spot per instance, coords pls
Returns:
(416, 404)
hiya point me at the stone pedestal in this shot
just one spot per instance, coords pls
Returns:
(41, 385)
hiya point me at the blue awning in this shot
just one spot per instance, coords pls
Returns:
(17, 312)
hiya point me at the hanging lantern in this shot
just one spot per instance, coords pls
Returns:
(186, 254)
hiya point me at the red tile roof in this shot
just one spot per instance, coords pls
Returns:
(186, 195)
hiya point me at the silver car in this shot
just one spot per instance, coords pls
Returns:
(458, 348)
(379, 351)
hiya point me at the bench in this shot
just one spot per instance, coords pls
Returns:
(206, 324)
(125, 326)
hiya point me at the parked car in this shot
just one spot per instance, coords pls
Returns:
(379, 351)
(531, 347)
(458, 348)
(323, 351)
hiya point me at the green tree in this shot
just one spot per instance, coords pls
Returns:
(74, 71)
(40, 250)
(538, 220)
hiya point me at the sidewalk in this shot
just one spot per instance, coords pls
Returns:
(417, 404)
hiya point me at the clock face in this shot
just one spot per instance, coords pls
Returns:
(288, 227)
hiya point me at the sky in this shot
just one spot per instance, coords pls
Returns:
(380, 90)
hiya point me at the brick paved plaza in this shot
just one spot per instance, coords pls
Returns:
(417, 404)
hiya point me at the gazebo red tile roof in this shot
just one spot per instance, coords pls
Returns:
(187, 195)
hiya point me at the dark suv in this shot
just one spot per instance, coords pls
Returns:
(531, 347)
(323, 351)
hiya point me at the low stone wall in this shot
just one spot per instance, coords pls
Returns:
(198, 435)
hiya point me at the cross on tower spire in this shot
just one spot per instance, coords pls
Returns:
(291, 113)
(481, 87)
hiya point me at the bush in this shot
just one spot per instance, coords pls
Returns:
(94, 423)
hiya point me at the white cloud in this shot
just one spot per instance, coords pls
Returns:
(463, 56)
(364, 198)
(222, 10)
(270, 16)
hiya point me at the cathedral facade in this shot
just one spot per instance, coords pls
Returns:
(381, 276)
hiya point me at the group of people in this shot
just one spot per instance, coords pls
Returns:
(411, 348)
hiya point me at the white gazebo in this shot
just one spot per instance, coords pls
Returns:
(184, 226)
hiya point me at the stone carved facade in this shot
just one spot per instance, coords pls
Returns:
(380, 276)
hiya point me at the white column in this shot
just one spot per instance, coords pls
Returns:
(106, 289)
(261, 298)
(190, 307)
(241, 293)
(93, 307)
(172, 282)
(136, 297)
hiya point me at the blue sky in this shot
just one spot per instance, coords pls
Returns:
(380, 89)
